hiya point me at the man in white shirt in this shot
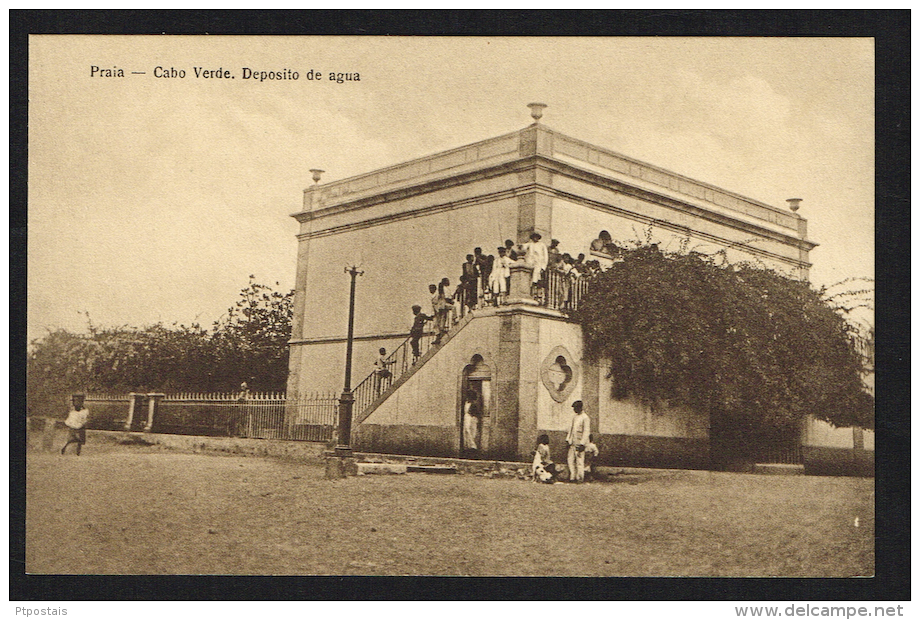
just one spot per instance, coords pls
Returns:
(76, 423)
(578, 437)
(536, 254)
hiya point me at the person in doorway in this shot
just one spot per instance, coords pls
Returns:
(578, 437)
(76, 423)
(471, 415)
(418, 329)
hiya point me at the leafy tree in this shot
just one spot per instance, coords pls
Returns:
(249, 344)
(252, 340)
(756, 350)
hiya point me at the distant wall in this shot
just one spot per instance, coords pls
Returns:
(831, 450)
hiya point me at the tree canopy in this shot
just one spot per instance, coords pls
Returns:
(744, 343)
(248, 344)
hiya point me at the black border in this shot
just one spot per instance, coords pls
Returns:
(891, 30)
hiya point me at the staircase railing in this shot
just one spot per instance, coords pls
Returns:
(397, 364)
(561, 292)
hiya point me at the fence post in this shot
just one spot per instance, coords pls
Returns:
(152, 403)
(132, 403)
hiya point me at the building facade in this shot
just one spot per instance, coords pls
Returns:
(412, 224)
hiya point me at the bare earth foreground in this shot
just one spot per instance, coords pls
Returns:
(141, 510)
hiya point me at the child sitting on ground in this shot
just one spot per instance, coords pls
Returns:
(543, 469)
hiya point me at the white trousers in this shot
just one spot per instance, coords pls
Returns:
(576, 464)
(470, 423)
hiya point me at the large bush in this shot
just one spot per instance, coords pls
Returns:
(756, 350)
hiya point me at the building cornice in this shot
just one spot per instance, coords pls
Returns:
(611, 162)
(560, 167)
(514, 151)
(665, 201)
(419, 212)
(426, 187)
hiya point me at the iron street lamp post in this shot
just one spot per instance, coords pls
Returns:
(347, 400)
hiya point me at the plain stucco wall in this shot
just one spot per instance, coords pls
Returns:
(631, 417)
(399, 259)
(431, 396)
(819, 433)
(320, 367)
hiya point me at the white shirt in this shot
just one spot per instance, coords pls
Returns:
(382, 362)
(580, 430)
(77, 419)
(537, 254)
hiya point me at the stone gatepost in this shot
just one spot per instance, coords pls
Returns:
(153, 401)
(133, 405)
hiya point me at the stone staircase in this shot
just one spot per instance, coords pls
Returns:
(373, 391)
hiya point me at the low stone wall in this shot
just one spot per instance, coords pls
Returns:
(45, 434)
(410, 439)
(826, 461)
(110, 415)
(640, 451)
(617, 452)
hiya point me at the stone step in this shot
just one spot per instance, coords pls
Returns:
(365, 469)
(432, 469)
(778, 469)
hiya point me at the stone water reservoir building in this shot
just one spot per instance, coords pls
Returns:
(412, 224)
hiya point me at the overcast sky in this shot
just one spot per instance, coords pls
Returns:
(153, 199)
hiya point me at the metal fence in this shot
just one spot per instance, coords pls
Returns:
(259, 415)
(312, 418)
(787, 452)
(109, 411)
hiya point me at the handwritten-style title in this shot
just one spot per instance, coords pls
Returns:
(245, 73)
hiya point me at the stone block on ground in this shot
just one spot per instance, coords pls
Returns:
(778, 469)
(364, 469)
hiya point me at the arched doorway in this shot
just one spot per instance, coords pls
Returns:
(477, 379)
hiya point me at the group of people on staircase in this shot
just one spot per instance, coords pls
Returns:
(484, 280)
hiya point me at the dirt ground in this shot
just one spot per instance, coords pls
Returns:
(121, 509)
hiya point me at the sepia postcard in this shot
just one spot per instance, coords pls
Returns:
(390, 306)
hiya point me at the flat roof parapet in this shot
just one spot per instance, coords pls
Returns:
(538, 141)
